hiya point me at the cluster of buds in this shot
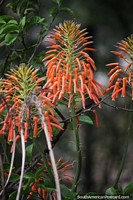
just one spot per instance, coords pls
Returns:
(121, 73)
(70, 69)
(63, 168)
(18, 92)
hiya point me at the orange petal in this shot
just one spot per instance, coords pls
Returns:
(123, 94)
(79, 64)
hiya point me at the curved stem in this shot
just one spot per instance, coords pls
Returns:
(51, 153)
(23, 164)
(115, 185)
(77, 142)
(12, 161)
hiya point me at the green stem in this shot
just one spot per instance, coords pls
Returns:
(124, 155)
(77, 142)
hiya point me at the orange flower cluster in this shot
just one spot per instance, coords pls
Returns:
(17, 92)
(70, 70)
(62, 168)
(121, 73)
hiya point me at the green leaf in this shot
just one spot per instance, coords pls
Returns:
(26, 185)
(9, 28)
(39, 171)
(86, 119)
(36, 20)
(67, 194)
(14, 177)
(113, 191)
(6, 18)
(10, 38)
(47, 184)
(128, 189)
(2, 21)
(29, 175)
(12, 196)
(12, 21)
(29, 152)
(22, 22)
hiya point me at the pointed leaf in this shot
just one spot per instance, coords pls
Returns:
(12, 21)
(86, 119)
(67, 194)
(12, 196)
(128, 189)
(14, 177)
(9, 28)
(10, 38)
(6, 18)
(39, 171)
(2, 21)
(29, 175)
(22, 22)
(111, 191)
(114, 191)
(36, 20)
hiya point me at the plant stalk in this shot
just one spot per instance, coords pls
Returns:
(78, 149)
(51, 153)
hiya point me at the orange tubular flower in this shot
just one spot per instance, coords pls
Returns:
(69, 67)
(18, 92)
(121, 73)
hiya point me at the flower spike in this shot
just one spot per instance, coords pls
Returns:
(18, 92)
(121, 73)
(69, 66)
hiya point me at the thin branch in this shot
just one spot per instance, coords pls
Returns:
(117, 107)
(12, 161)
(2, 177)
(23, 41)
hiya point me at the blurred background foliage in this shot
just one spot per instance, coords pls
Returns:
(109, 21)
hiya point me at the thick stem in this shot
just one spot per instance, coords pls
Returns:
(77, 142)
